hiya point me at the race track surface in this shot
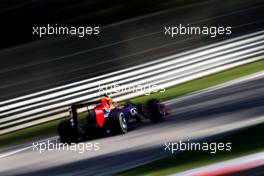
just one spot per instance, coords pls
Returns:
(196, 116)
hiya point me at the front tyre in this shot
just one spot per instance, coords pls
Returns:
(156, 110)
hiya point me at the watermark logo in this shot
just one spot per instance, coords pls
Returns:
(212, 147)
(57, 146)
(146, 89)
(212, 31)
(80, 31)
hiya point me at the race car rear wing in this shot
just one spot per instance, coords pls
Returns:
(73, 112)
(85, 106)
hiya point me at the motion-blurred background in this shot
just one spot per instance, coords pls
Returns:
(18, 16)
(41, 77)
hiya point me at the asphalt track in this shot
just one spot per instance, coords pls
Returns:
(200, 115)
(57, 61)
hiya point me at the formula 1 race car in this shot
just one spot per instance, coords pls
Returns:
(108, 118)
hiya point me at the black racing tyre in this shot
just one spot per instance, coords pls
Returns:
(66, 132)
(155, 110)
(119, 122)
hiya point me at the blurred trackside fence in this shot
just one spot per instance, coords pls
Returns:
(51, 104)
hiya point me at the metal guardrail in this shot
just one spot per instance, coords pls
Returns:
(52, 104)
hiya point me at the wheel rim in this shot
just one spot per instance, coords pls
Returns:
(123, 122)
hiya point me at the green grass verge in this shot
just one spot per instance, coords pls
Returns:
(247, 141)
(205, 82)
(49, 129)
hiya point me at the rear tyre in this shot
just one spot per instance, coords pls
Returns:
(119, 122)
(156, 110)
(66, 132)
